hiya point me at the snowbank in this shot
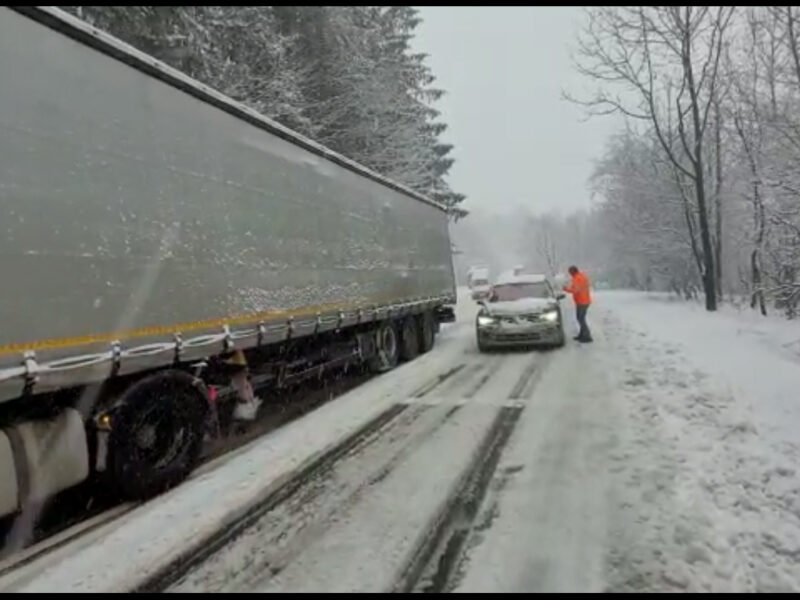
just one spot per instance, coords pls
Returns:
(758, 359)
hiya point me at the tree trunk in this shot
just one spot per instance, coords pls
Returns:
(718, 198)
(709, 278)
(759, 244)
(708, 274)
(759, 220)
(758, 292)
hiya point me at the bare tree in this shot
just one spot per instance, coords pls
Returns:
(749, 122)
(667, 62)
(642, 217)
(543, 233)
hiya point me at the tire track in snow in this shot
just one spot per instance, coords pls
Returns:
(182, 564)
(435, 561)
(284, 527)
(491, 370)
(427, 388)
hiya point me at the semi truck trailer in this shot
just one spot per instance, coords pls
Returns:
(152, 226)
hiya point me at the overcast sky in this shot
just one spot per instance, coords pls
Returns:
(516, 141)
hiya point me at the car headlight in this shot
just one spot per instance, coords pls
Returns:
(551, 316)
(484, 320)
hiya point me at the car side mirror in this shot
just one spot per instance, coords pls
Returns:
(482, 303)
(560, 296)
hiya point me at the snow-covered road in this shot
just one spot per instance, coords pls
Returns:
(361, 524)
(632, 464)
(654, 460)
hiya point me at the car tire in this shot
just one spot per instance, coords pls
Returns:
(483, 348)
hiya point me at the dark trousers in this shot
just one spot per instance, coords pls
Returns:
(580, 310)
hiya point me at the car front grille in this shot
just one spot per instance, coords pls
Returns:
(522, 319)
(517, 337)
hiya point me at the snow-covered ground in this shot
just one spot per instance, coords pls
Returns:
(660, 458)
(663, 457)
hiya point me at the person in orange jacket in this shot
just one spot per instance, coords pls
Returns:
(581, 294)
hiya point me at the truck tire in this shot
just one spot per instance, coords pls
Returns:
(409, 347)
(426, 326)
(157, 434)
(387, 348)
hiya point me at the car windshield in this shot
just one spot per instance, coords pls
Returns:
(517, 291)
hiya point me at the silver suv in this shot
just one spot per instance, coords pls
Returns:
(521, 310)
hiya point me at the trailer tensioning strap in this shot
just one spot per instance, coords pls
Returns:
(186, 327)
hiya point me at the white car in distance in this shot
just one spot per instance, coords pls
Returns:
(521, 310)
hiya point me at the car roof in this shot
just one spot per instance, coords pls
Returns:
(509, 278)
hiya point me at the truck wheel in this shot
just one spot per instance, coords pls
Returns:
(387, 348)
(427, 331)
(157, 434)
(409, 350)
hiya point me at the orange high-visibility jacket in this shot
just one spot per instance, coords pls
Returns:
(580, 289)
